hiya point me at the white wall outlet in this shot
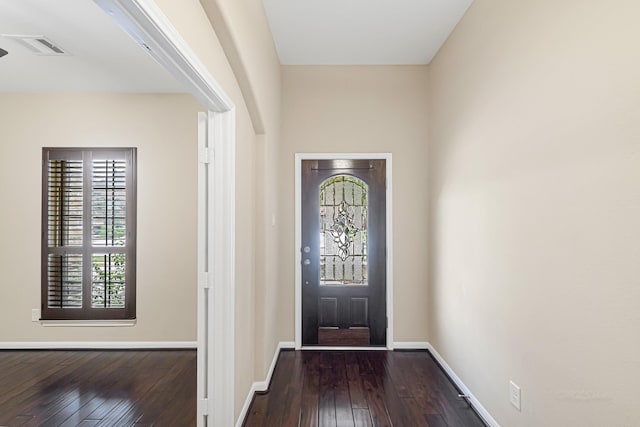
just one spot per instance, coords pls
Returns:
(514, 395)
(35, 315)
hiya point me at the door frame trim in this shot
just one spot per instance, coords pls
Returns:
(299, 157)
(145, 22)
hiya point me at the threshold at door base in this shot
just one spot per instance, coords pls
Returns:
(367, 348)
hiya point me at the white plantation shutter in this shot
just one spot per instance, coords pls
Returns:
(64, 231)
(88, 245)
(108, 231)
(64, 282)
(65, 202)
(108, 202)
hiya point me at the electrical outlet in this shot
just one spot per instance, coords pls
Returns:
(35, 315)
(514, 395)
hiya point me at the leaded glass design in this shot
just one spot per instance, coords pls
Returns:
(343, 231)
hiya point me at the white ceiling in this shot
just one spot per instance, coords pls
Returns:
(353, 32)
(103, 58)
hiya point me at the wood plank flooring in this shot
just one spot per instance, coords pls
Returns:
(98, 388)
(360, 389)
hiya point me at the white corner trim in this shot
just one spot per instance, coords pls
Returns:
(411, 345)
(297, 255)
(145, 22)
(389, 226)
(149, 27)
(260, 386)
(484, 414)
(222, 251)
(96, 345)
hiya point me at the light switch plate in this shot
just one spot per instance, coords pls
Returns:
(35, 315)
(514, 395)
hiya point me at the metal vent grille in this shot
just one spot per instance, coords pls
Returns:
(39, 45)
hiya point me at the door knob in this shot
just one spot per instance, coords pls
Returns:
(307, 261)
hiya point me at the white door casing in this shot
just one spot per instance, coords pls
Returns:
(149, 27)
(298, 240)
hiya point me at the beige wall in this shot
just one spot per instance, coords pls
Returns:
(256, 332)
(164, 128)
(244, 33)
(535, 197)
(362, 109)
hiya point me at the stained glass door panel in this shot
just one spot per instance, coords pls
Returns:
(343, 231)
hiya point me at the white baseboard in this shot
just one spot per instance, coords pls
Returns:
(96, 345)
(260, 386)
(486, 416)
(411, 345)
(264, 385)
(247, 403)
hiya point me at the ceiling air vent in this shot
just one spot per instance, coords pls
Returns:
(40, 45)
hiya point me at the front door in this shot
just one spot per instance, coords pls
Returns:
(344, 252)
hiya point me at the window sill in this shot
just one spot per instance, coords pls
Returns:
(89, 323)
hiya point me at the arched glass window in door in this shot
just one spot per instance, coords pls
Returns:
(343, 231)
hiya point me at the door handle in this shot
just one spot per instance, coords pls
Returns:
(307, 261)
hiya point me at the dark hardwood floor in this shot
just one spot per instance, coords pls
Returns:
(98, 388)
(360, 388)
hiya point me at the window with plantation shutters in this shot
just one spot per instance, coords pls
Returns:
(88, 238)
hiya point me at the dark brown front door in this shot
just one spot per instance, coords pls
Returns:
(343, 252)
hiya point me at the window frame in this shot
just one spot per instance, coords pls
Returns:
(86, 312)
